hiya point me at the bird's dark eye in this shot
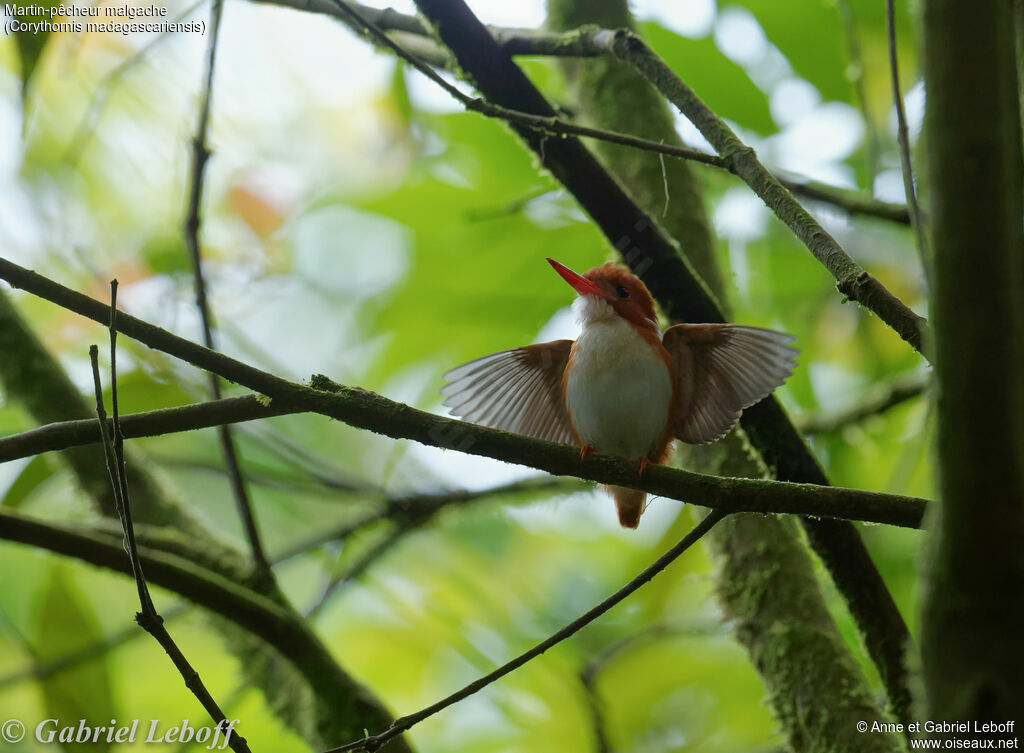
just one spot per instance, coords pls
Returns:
(621, 292)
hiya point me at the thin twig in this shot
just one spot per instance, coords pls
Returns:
(854, 203)
(664, 181)
(871, 150)
(148, 618)
(596, 706)
(374, 742)
(366, 410)
(903, 138)
(200, 156)
(417, 509)
(879, 401)
(409, 514)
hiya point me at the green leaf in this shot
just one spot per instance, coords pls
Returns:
(80, 689)
(31, 45)
(399, 93)
(812, 37)
(166, 254)
(477, 280)
(37, 471)
(138, 391)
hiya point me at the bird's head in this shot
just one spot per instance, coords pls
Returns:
(610, 290)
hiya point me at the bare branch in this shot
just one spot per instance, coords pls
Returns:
(916, 220)
(402, 724)
(416, 510)
(356, 569)
(853, 202)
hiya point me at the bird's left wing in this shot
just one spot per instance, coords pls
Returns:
(720, 370)
(518, 390)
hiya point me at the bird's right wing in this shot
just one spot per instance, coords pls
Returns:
(518, 390)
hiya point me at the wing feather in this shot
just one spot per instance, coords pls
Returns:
(720, 370)
(518, 390)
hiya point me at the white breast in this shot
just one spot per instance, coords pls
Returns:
(618, 390)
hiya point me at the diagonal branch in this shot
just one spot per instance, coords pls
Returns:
(402, 724)
(851, 279)
(366, 410)
(877, 401)
(148, 618)
(356, 569)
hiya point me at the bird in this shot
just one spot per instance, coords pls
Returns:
(623, 386)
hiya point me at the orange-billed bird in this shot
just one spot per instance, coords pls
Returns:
(623, 387)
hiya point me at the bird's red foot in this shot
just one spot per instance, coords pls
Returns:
(643, 465)
(586, 450)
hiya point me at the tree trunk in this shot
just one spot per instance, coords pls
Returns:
(973, 648)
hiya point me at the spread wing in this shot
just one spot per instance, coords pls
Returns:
(720, 370)
(518, 390)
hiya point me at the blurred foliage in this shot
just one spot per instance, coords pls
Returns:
(355, 225)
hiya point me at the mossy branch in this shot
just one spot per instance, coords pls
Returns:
(366, 410)
(254, 613)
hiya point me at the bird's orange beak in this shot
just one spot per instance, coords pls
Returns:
(580, 284)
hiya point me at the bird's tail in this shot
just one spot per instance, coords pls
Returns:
(630, 504)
